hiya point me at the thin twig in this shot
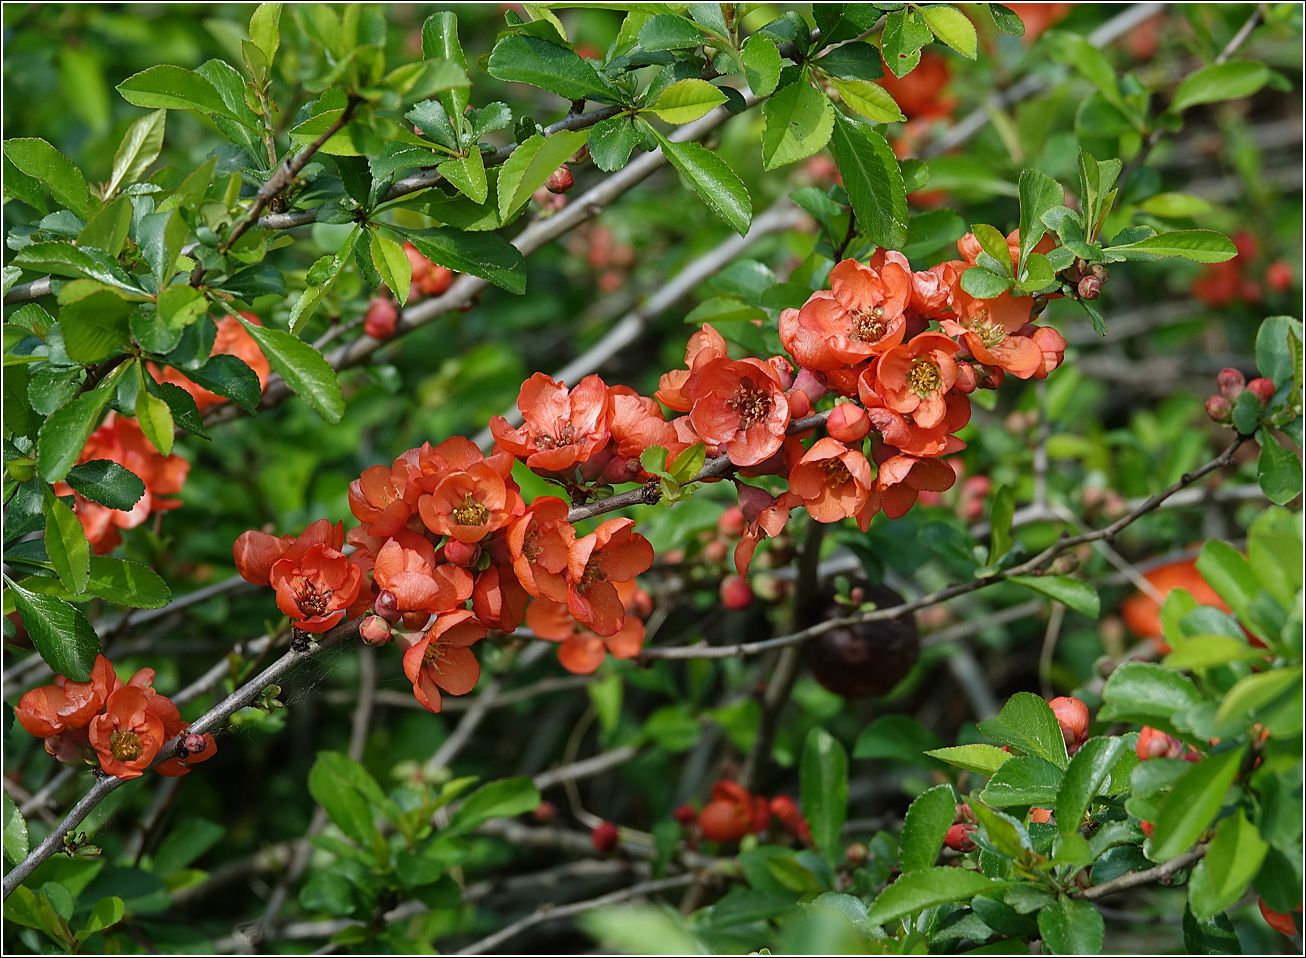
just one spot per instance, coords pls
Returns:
(1047, 654)
(1148, 877)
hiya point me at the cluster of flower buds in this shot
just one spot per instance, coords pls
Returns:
(733, 812)
(1232, 384)
(122, 727)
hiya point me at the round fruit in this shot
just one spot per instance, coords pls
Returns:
(869, 658)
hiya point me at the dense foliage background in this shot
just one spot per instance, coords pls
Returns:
(216, 860)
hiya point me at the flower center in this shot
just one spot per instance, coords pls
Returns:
(433, 654)
(923, 377)
(836, 472)
(990, 334)
(563, 435)
(311, 601)
(470, 513)
(868, 326)
(752, 403)
(125, 746)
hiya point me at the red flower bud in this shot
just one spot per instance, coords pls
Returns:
(604, 837)
(715, 551)
(966, 382)
(436, 280)
(1219, 409)
(546, 813)
(736, 593)
(809, 384)
(989, 377)
(848, 422)
(561, 180)
(685, 814)
(723, 820)
(1231, 383)
(1090, 287)
(732, 523)
(194, 742)
(375, 630)
(382, 315)
(464, 554)
(1279, 276)
(1262, 389)
(1147, 828)
(387, 606)
(752, 501)
(857, 853)
(799, 405)
(958, 837)
(1072, 716)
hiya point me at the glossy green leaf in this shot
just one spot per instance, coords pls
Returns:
(483, 254)
(926, 888)
(1194, 800)
(1278, 470)
(1207, 651)
(984, 759)
(905, 32)
(1038, 194)
(530, 166)
(712, 179)
(502, 799)
(983, 283)
(39, 159)
(392, 263)
(1028, 723)
(155, 419)
(925, 826)
(440, 42)
(686, 101)
(761, 64)
(1025, 780)
(612, 140)
(1075, 594)
(1220, 81)
(140, 147)
(64, 433)
(1200, 246)
(303, 368)
(873, 180)
(1147, 694)
(1085, 778)
(1071, 927)
(526, 59)
(95, 326)
(176, 88)
(467, 174)
(1253, 692)
(870, 100)
(952, 27)
(15, 832)
(60, 633)
(799, 119)
(107, 482)
(65, 543)
(1233, 859)
(825, 790)
(667, 31)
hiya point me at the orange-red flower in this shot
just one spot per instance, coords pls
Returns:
(1051, 343)
(539, 542)
(732, 813)
(120, 439)
(913, 378)
(414, 581)
(582, 651)
(130, 732)
(832, 480)
(384, 499)
(231, 340)
(739, 405)
(470, 504)
(899, 480)
(861, 315)
(988, 327)
(314, 581)
(441, 659)
(610, 554)
(498, 599)
(67, 705)
(561, 427)
(766, 517)
(908, 436)
(704, 346)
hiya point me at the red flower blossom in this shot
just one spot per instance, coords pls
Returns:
(901, 432)
(832, 480)
(441, 659)
(986, 327)
(65, 705)
(1051, 343)
(913, 378)
(470, 504)
(610, 554)
(731, 814)
(416, 583)
(498, 599)
(561, 428)
(739, 405)
(704, 346)
(539, 542)
(899, 480)
(314, 581)
(130, 732)
(582, 651)
(766, 519)
(384, 499)
(861, 315)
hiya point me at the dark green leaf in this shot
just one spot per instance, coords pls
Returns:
(175, 88)
(825, 790)
(60, 633)
(65, 543)
(926, 888)
(1214, 936)
(905, 32)
(852, 61)
(1146, 693)
(611, 141)
(1233, 859)
(1006, 19)
(926, 825)
(712, 179)
(502, 799)
(1085, 777)
(1025, 780)
(487, 255)
(1073, 593)
(1278, 341)
(525, 59)
(1071, 927)
(39, 159)
(873, 180)
(1194, 801)
(666, 31)
(231, 377)
(95, 326)
(108, 483)
(1278, 470)
(799, 119)
(127, 583)
(1028, 723)
(303, 369)
(140, 147)
(15, 832)
(897, 737)
(65, 432)
(1201, 246)
(761, 64)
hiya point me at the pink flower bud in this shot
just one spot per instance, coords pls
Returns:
(1219, 409)
(561, 181)
(605, 837)
(732, 523)
(1262, 389)
(462, 554)
(1090, 287)
(387, 606)
(966, 382)
(809, 384)
(194, 742)
(1072, 716)
(1231, 383)
(375, 630)
(736, 593)
(783, 370)
(848, 422)
(800, 406)
(958, 837)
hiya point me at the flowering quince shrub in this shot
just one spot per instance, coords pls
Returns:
(825, 435)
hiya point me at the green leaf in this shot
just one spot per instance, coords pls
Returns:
(1087, 774)
(1077, 52)
(1194, 800)
(108, 228)
(1220, 81)
(952, 27)
(525, 59)
(483, 254)
(392, 263)
(926, 825)
(265, 30)
(1038, 194)
(175, 88)
(95, 326)
(611, 141)
(1227, 571)
(825, 790)
(686, 101)
(983, 283)
(60, 633)
(712, 179)
(687, 465)
(531, 164)
(1201, 246)
(336, 784)
(15, 832)
(1025, 780)
(140, 146)
(905, 32)
(1028, 723)
(322, 277)
(127, 583)
(1006, 20)
(1071, 927)
(1003, 834)
(303, 369)
(1253, 692)
(1175, 205)
(873, 179)
(1278, 344)
(65, 543)
(852, 61)
(870, 100)
(502, 799)
(155, 419)
(1146, 693)
(926, 888)
(440, 42)
(329, 892)
(897, 737)
(37, 158)
(1232, 860)
(761, 64)
(467, 174)
(666, 31)
(1278, 470)
(1000, 517)
(65, 432)
(231, 377)
(186, 841)
(1073, 593)
(799, 119)
(984, 759)
(106, 913)
(1207, 651)
(108, 483)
